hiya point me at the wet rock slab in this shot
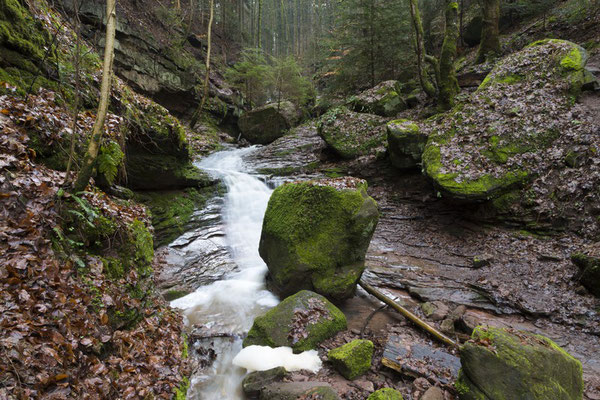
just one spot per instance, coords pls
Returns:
(420, 360)
(198, 257)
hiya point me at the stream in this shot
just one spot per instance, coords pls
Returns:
(230, 305)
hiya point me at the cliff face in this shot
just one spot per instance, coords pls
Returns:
(160, 53)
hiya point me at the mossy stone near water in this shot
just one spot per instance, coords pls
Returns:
(301, 322)
(352, 359)
(386, 394)
(265, 124)
(502, 364)
(406, 143)
(315, 236)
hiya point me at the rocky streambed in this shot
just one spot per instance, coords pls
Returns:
(437, 259)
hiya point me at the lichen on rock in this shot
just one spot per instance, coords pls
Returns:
(384, 99)
(386, 394)
(315, 236)
(406, 143)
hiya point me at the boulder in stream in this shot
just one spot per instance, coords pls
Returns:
(352, 359)
(265, 124)
(350, 134)
(298, 391)
(256, 381)
(508, 364)
(301, 322)
(406, 143)
(315, 236)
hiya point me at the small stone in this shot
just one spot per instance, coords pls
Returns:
(467, 324)
(365, 385)
(254, 382)
(433, 393)
(352, 359)
(483, 260)
(447, 326)
(386, 394)
(435, 311)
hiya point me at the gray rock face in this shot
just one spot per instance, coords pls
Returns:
(406, 143)
(315, 236)
(590, 271)
(265, 124)
(299, 390)
(504, 364)
(256, 381)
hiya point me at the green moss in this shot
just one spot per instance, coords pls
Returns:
(143, 248)
(185, 347)
(386, 394)
(113, 268)
(352, 359)
(181, 391)
(317, 234)
(574, 60)
(285, 324)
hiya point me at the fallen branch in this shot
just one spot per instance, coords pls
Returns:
(412, 317)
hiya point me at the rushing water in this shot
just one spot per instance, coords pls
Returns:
(230, 305)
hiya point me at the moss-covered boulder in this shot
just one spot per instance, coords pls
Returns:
(504, 364)
(350, 134)
(256, 381)
(265, 124)
(315, 236)
(497, 140)
(384, 99)
(406, 143)
(158, 156)
(301, 322)
(386, 394)
(590, 271)
(352, 359)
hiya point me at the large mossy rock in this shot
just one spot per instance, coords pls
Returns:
(494, 142)
(504, 364)
(265, 124)
(406, 143)
(386, 394)
(315, 236)
(352, 359)
(589, 264)
(157, 153)
(350, 134)
(301, 322)
(384, 99)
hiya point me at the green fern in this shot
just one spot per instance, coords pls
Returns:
(108, 161)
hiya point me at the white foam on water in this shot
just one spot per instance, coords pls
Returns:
(262, 358)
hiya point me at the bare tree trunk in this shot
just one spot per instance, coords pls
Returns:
(198, 112)
(424, 80)
(448, 85)
(490, 32)
(259, 25)
(89, 160)
(77, 65)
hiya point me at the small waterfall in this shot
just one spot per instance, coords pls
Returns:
(230, 305)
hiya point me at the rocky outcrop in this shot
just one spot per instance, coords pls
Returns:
(406, 143)
(301, 322)
(265, 124)
(350, 134)
(514, 150)
(167, 70)
(257, 381)
(506, 364)
(384, 99)
(352, 359)
(315, 236)
(589, 265)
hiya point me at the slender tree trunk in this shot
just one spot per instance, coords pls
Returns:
(198, 112)
(424, 80)
(259, 25)
(89, 160)
(77, 64)
(448, 84)
(490, 32)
